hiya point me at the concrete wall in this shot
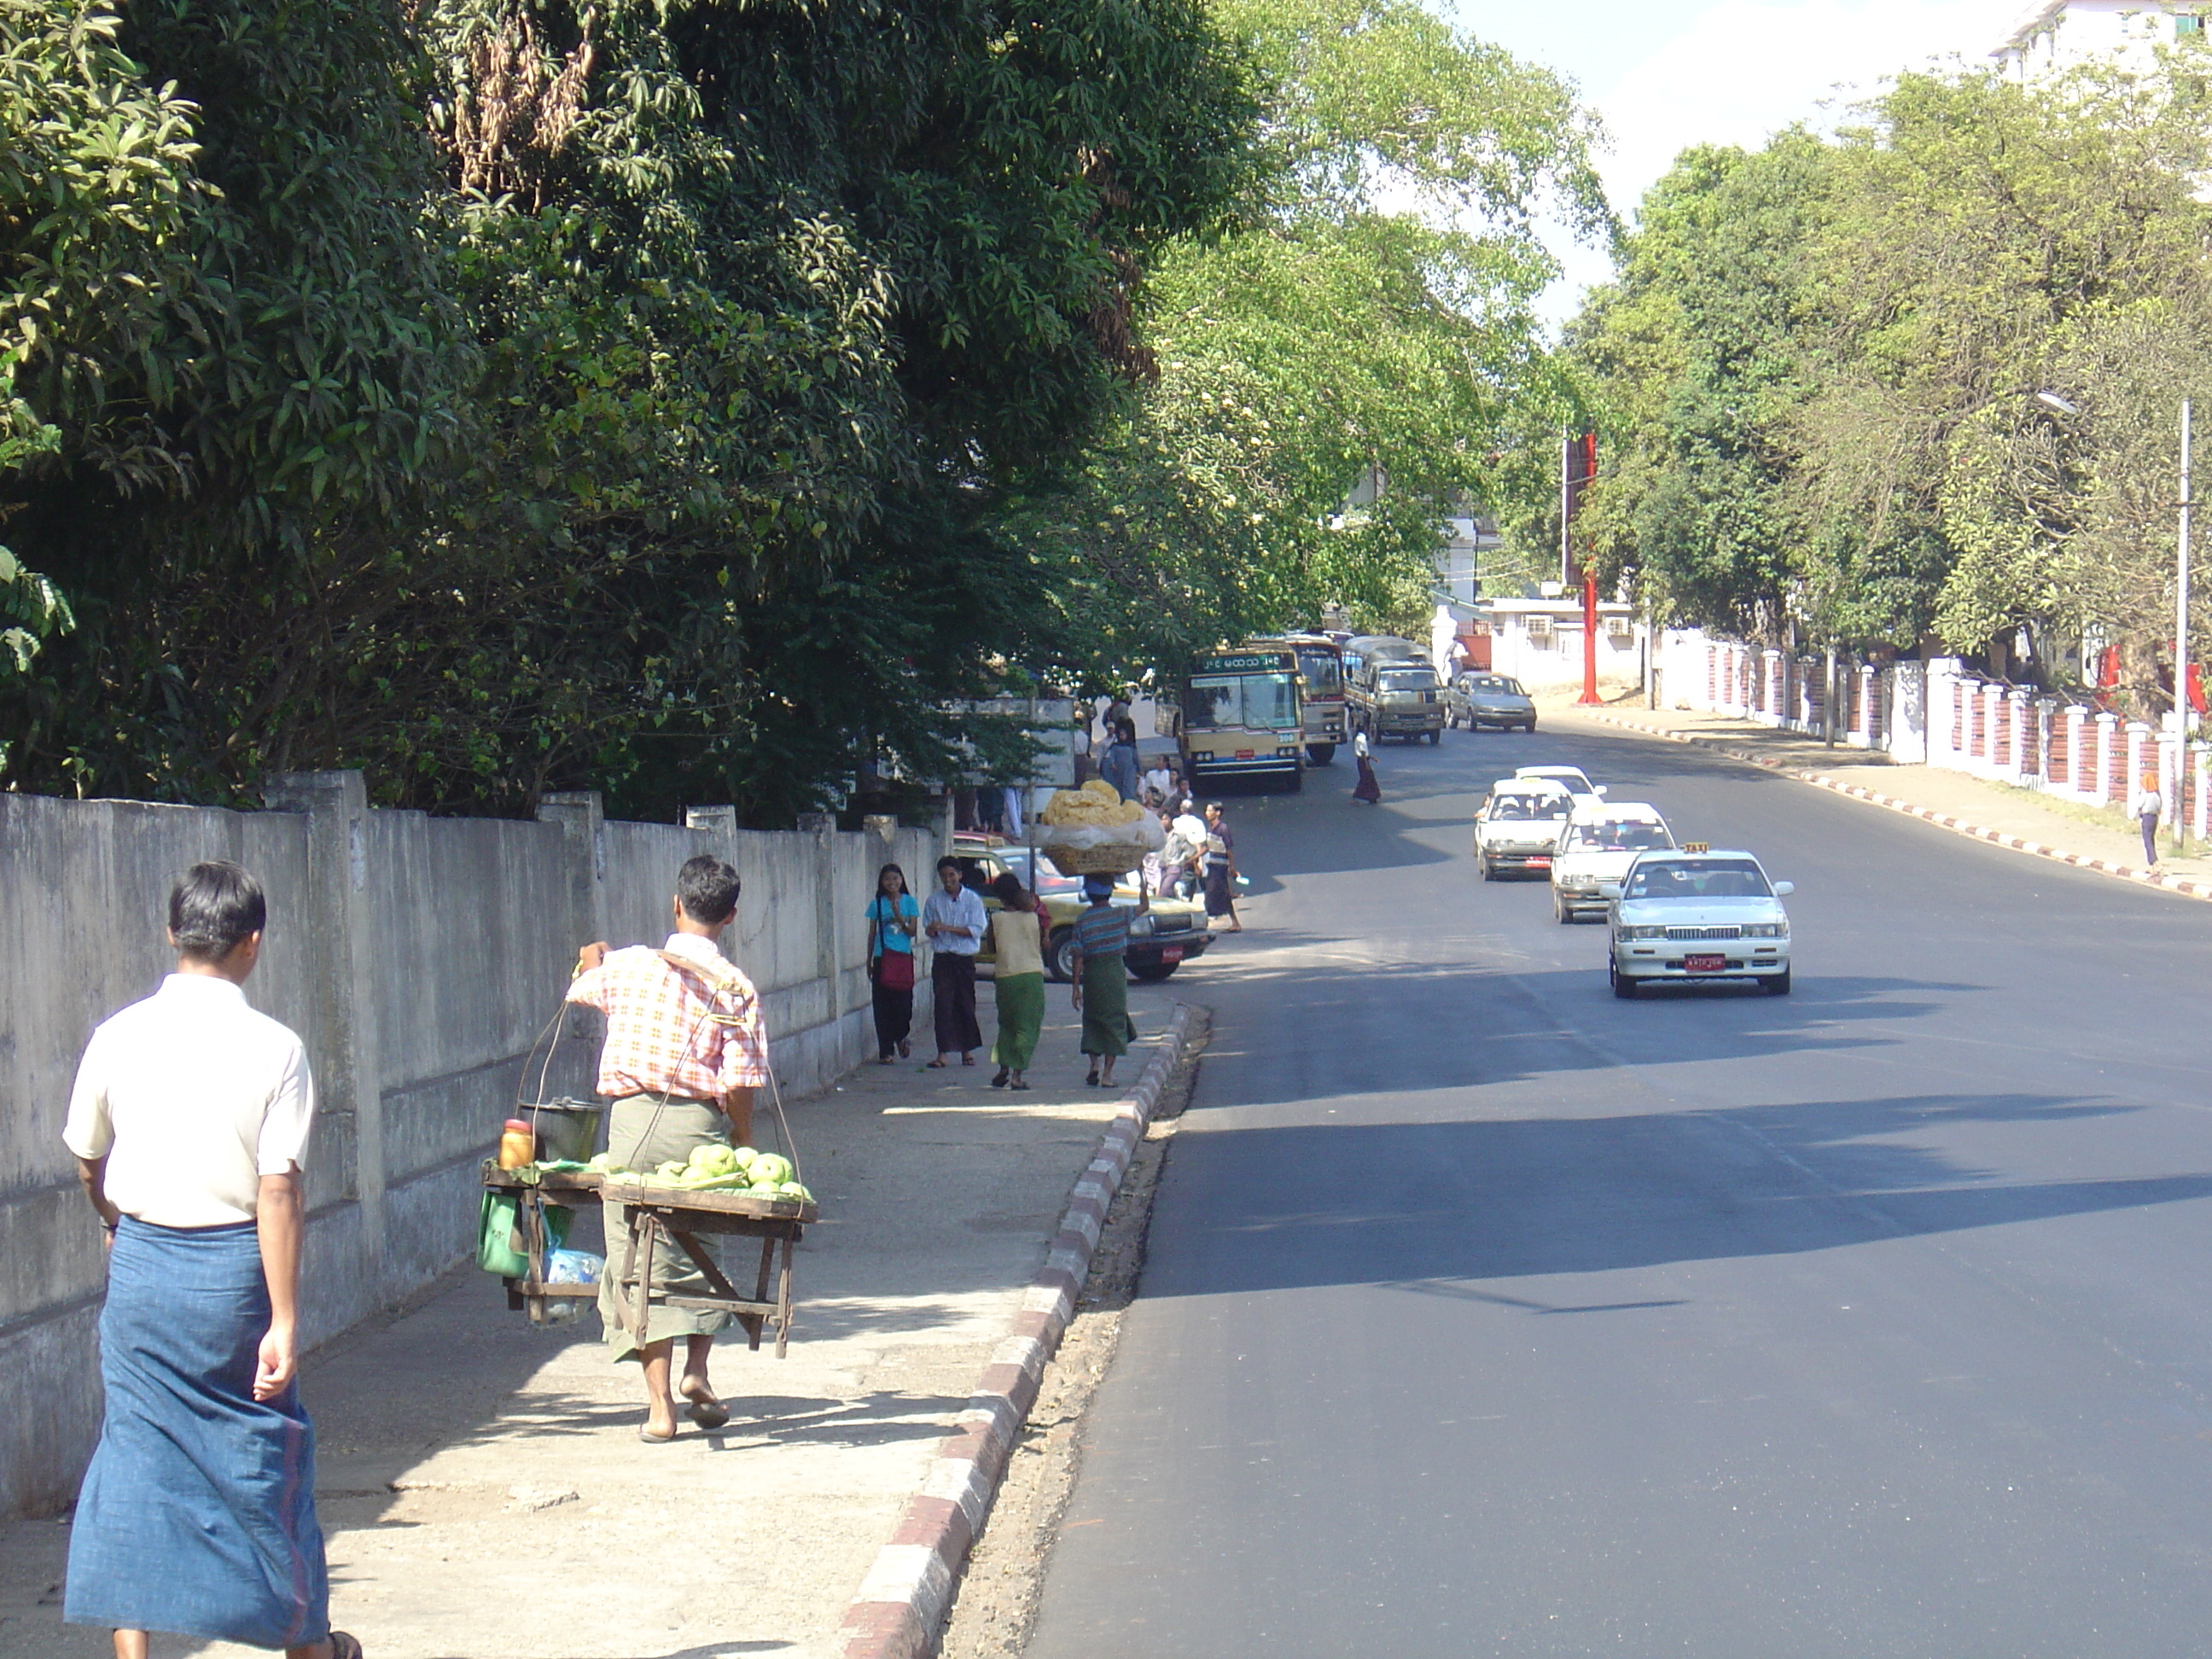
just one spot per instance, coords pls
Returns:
(422, 959)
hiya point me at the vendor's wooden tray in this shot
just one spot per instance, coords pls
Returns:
(677, 1198)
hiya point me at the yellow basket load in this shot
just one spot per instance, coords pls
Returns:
(1092, 831)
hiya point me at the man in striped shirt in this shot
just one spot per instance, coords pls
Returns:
(685, 1049)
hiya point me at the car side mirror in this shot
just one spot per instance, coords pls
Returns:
(1784, 889)
(1597, 789)
(1609, 890)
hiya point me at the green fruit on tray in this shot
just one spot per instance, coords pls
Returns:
(771, 1169)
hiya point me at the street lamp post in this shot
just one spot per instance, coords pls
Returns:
(2173, 814)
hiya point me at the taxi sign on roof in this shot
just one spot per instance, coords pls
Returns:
(1697, 847)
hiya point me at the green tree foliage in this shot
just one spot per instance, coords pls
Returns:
(619, 393)
(1821, 360)
(1371, 315)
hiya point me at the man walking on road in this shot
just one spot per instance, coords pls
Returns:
(955, 920)
(190, 1122)
(685, 1049)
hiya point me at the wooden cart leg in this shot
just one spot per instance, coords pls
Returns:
(622, 1309)
(753, 1323)
(783, 1303)
(648, 1227)
(530, 1212)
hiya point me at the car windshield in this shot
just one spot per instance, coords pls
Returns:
(1407, 679)
(1497, 683)
(1707, 878)
(1630, 835)
(1049, 879)
(1526, 808)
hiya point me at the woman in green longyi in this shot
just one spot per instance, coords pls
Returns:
(1017, 942)
(1102, 975)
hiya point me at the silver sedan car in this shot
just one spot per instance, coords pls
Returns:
(1474, 700)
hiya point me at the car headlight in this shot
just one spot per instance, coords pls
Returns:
(1139, 926)
(1767, 930)
(1643, 932)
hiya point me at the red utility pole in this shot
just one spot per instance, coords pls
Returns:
(1579, 470)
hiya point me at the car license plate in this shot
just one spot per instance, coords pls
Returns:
(1704, 964)
(1538, 860)
(1173, 953)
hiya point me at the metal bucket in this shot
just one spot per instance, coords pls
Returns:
(567, 1129)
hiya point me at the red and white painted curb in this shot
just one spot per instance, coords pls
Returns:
(902, 1600)
(2187, 888)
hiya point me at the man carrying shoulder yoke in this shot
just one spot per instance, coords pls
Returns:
(685, 1049)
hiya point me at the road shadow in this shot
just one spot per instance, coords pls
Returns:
(1420, 1206)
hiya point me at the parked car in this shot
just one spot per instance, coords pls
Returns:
(1518, 827)
(1474, 700)
(1697, 914)
(1172, 932)
(1601, 841)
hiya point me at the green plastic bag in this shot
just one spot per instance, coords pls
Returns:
(495, 1251)
(499, 1234)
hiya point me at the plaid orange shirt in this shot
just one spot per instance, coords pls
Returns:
(692, 1036)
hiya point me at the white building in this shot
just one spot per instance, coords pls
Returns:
(1539, 642)
(2054, 33)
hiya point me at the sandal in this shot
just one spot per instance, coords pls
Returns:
(1000, 1081)
(906, 1049)
(1093, 1079)
(1017, 1086)
(932, 1065)
(645, 1433)
(343, 1646)
(706, 1411)
(967, 1060)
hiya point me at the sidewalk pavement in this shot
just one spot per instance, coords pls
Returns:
(2102, 839)
(481, 1482)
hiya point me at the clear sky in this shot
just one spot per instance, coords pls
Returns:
(1663, 76)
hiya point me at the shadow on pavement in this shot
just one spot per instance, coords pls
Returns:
(1269, 1209)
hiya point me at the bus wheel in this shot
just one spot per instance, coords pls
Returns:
(1320, 753)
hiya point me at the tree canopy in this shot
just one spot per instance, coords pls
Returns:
(1821, 363)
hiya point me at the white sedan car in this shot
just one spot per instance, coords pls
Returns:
(1573, 779)
(1518, 827)
(1602, 840)
(1698, 915)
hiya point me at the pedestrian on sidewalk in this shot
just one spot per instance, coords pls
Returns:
(1119, 765)
(189, 1122)
(1367, 789)
(1018, 947)
(1221, 868)
(955, 920)
(2149, 807)
(894, 919)
(1189, 829)
(685, 1049)
(1102, 975)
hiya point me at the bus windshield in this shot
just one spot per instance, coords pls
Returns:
(1242, 702)
(1324, 673)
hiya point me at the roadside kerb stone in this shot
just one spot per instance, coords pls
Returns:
(901, 1602)
(2186, 887)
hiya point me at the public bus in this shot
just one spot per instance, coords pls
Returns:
(1240, 716)
(1321, 671)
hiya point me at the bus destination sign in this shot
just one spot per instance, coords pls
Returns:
(1243, 662)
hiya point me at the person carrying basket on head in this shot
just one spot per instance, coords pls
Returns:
(685, 1049)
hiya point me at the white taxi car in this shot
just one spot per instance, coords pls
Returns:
(1602, 840)
(1518, 827)
(1696, 914)
(1573, 779)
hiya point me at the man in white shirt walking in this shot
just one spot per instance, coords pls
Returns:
(955, 920)
(189, 1122)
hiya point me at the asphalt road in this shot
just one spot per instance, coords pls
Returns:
(1486, 1314)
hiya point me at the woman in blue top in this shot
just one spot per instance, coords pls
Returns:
(1102, 977)
(894, 918)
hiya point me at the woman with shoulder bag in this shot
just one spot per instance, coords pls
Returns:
(894, 919)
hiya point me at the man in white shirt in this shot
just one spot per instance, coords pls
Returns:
(190, 1122)
(955, 920)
